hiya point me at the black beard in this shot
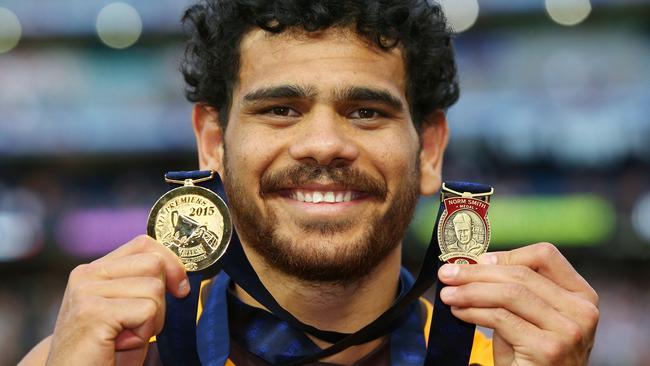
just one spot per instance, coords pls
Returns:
(316, 261)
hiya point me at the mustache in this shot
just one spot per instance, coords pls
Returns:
(345, 176)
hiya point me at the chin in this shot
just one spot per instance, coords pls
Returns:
(338, 259)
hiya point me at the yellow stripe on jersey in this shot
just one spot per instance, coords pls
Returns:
(481, 346)
(199, 309)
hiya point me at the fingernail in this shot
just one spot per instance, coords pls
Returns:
(184, 286)
(450, 270)
(488, 258)
(448, 292)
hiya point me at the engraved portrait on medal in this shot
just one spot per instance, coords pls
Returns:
(464, 232)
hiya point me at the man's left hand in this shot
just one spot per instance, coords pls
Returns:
(542, 311)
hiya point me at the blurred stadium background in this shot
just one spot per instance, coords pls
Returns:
(555, 113)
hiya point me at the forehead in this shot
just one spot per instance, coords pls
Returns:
(323, 60)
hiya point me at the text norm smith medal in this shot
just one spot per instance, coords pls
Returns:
(193, 222)
(464, 228)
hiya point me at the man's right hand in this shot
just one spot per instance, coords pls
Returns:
(114, 305)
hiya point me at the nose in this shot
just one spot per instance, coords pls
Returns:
(324, 139)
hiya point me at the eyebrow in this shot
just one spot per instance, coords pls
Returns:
(280, 92)
(366, 94)
(347, 94)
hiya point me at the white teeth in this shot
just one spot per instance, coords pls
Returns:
(347, 197)
(318, 197)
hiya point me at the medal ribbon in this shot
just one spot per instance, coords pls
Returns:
(273, 340)
(177, 341)
(450, 339)
(448, 332)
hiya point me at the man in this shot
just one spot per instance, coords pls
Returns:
(465, 242)
(325, 121)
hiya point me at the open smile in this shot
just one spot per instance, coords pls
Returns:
(322, 200)
(314, 196)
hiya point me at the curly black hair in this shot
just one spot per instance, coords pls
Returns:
(216, 27)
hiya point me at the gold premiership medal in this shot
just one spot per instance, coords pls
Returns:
(193, 222)
(464, 228)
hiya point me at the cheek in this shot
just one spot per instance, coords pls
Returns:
(249, 154)
(246, 151)
(396, 158)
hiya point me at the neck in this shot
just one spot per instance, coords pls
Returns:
(341, 308)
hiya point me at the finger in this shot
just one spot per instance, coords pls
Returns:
(136, 315)
(515, 298)
(109, 317)
(148, 264)
(174, 271)
(130, 287)
(131, 357)
(533, 345)
(547, 260)
(127, 340)
(514, 330)
(567, 303)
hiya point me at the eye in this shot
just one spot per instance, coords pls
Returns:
(365, 113)
(282, 111)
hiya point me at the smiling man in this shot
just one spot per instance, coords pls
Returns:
(325, 121)
(321, 124)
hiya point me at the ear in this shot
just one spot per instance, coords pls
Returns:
(434, 135)
(209, 138)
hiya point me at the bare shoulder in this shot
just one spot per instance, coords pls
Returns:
(38, 354)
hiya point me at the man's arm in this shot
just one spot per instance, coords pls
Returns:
(112, 307)
(542, 311)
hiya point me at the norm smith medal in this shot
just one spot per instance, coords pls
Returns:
(194, 223)
(464, 228)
